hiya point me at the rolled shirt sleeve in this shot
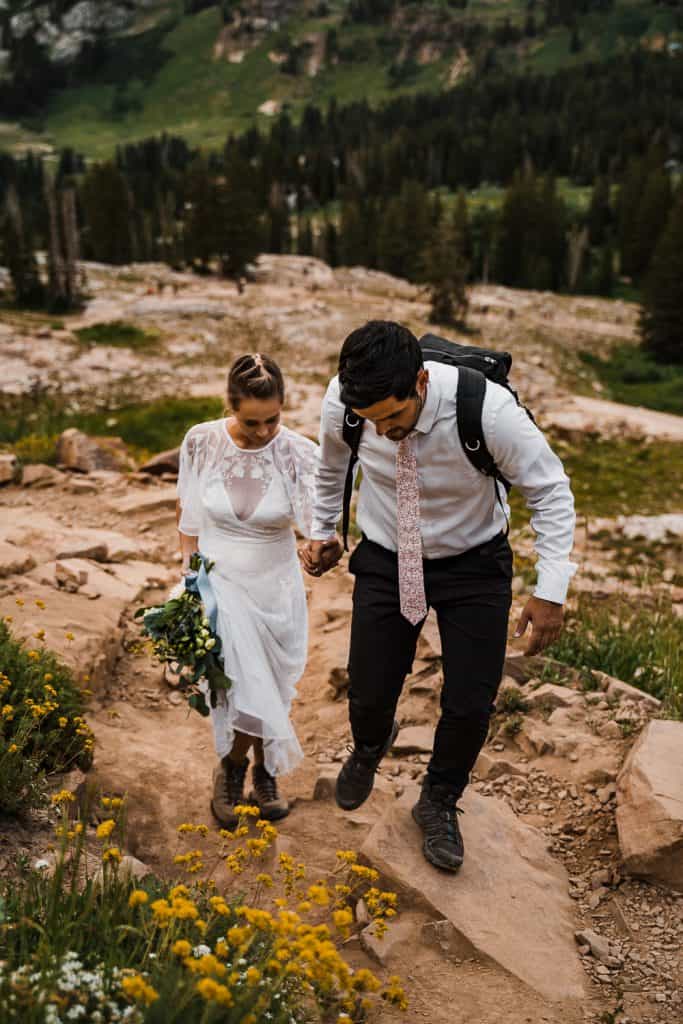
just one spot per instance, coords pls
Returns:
(331, 466)
(525, 458)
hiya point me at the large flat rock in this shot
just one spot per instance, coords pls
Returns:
(650, 805)
(509, 901)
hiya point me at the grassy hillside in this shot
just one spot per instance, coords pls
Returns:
(191, 75)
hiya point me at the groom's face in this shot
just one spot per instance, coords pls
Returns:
(393, 417)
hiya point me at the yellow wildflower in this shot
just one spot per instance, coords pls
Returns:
(8, 712)
(181, 948)
(137, 989)
(112, 855)
(265, 879)
(213, 992)
(13, 748)
(62, 722)
(319, 894)
(395, 994)
(69, 636)
(106, 828)
(63, 797)
(247, 811)
(253, 976)
(39, 603)
(19, 601)
(137, 897)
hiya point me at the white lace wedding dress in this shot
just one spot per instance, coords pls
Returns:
(242, 504)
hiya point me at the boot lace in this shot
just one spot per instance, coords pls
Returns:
(266, 786)
(234, 782)
(440, 820)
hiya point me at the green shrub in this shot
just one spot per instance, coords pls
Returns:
(118, 333)
(183, 954)
(42, 729)
(632, 376)
(642, 646)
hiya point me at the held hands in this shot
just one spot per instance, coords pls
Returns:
(546, 623)
(317, 556)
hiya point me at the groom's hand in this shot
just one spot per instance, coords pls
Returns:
(546, 623)
(320, 555)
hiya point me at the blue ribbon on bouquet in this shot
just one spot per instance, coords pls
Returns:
(199, 583)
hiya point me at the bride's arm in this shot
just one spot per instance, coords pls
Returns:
(188, 545)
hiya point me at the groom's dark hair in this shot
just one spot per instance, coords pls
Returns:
(378, 360)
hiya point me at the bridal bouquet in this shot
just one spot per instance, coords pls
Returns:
(183, 636)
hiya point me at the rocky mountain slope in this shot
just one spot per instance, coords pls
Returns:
(122, 69)
(570, 904)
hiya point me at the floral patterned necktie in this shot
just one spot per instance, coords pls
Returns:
(410, 569)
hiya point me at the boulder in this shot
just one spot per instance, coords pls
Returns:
(40, 475)
(75, 450)
(9, 468)
(488, 767)
(14, 560)
(164, 462)
(616, 689)
(383, 949)
(71, 573)
(548, 697)
(100, 545)
(509, 902)
(650, 805)
(160, 499)
(416, 739)
(534, 738)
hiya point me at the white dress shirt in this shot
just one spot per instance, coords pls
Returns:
(458, 506)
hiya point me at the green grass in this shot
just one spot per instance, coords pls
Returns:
(30, 424)
(611, 478)
(632, 376)
(119, 334)
(642, 646)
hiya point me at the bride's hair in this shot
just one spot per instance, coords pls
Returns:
(255, 376)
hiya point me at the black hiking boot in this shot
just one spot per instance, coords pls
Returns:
(437, 815)
(271, 805)
(228, 790)
(357, 777)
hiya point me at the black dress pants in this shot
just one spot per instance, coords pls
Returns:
(471, 594)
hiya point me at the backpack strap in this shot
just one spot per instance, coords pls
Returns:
(469, 405)
(352, 431)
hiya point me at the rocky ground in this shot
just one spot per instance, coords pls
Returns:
(545, 922)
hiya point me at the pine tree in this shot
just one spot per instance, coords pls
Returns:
(107, 203)
(201, 217)
(599, 212)
(18, 255)
(650, 220)
(445, 269)
(662, 314)
(240, 231)
(64, 282)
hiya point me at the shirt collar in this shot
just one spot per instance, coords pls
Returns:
(425, 420)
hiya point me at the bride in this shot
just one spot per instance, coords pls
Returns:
(243, 483)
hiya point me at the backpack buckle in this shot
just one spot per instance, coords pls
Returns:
(352, 420)
(473, 447)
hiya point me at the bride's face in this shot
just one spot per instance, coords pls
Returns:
(258, 420)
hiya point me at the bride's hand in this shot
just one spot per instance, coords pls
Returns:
(318, 556)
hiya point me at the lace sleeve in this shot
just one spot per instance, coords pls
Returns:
(298, 461)
(188, 486)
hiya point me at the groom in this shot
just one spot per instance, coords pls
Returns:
(434, 535)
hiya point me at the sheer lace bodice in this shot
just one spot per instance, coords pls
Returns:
(267, 489)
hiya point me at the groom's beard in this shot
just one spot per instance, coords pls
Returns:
(397, 434)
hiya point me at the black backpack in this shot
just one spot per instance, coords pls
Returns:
(476, 366)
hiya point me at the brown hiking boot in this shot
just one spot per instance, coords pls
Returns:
(228, 790)
(271, 805)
